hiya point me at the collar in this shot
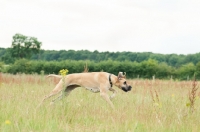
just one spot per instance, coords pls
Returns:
(110, 80)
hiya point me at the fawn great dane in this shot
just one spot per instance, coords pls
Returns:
(93, 81)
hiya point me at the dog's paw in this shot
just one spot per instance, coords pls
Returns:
(111, 97)
(51, 103)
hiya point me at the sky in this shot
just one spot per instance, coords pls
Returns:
(158, 26)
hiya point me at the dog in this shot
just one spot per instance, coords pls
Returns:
(93, 81)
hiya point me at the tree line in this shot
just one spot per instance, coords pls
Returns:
(174, 60)
(25, 56)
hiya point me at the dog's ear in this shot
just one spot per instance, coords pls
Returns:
(124, 74)
(120, 75)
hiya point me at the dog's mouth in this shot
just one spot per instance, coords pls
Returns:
(126, 89)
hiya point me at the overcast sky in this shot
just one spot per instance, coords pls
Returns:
(158, 26)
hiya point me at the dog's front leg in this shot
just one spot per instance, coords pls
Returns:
(106, 97)
(114, 93)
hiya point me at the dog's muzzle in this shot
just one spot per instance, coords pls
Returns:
(126, 89)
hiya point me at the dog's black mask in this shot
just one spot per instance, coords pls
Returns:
(126, 89)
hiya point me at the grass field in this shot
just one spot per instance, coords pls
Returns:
(151, 106)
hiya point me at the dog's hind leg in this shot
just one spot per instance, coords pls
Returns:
(58, 98)
(55, 91)
(46, 97)
(65, 93)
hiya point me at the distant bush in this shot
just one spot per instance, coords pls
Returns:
(1, 66)
(144, 69)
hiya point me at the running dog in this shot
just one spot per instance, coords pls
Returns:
(92, 81)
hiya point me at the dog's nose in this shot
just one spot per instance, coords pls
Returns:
(129, 88)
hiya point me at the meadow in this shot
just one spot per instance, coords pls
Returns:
(151, 106)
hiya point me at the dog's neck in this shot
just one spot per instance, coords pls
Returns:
(114, 80)
(110, 81)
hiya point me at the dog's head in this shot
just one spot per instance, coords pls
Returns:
(122, 83)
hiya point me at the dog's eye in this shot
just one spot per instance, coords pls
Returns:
(124, 83)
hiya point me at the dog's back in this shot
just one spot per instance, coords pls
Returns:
(88, 78)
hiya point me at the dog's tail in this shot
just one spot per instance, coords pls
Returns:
(53, 75)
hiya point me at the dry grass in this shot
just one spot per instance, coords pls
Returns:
(150, 106)
(193, 96)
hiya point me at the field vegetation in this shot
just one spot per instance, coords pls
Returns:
(152, 106)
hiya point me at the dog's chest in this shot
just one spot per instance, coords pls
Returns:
(94, 90)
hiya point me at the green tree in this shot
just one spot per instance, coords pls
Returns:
(197, 73)
(148, 68)
(164, 71)
(24, 46)
(7, 58)
(186, 71)
(173, 59)
(1, 66)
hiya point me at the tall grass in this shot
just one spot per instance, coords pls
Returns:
(192, 96)
(150, 106)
